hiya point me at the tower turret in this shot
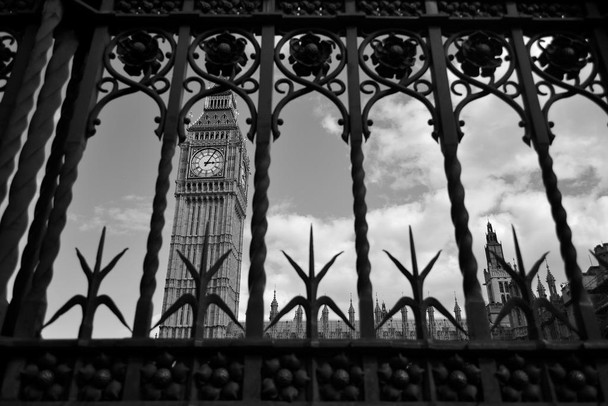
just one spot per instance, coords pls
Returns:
(540, 289)
(551, 285)
(325, 321)
(404, 326)
(298, 321)
(377, 312)
(458, 316)
(351, 312)
(431, 312)
(274, 307)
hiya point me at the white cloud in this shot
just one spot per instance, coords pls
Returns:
(127, 215)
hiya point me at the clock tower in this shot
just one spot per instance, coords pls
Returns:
(211, 188)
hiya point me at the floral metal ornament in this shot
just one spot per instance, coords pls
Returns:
(528, 303)
(140, 54)
(200, 301)
(564, 56)
(223, 54)
(394, 57)
(479, 54)
(7, 56)
(90, 303)
(311, 304)
(310, 55)
(417, 303)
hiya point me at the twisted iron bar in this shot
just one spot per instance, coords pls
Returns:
(12, 229)
(52, 14)
(364, 267)
(145, 308)
(474, 304)
(259, 226)
(583, 308)
(24, 185)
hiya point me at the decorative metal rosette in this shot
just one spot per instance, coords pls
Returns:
(226, 59)
(399, 60)
(46, 378)
(340, 378)
(457, 379)
(228, 6)
(551, 9)
(483, 64)
(310, 55)
(314, 60)
(8, 50)
(219, 378)
(564, 56)
(401, 379)
(224, 54)
(394, 57)
(479, 53)
(391, 8)
(163, 378)
(471, 8)
(139, 53)
(575, 380)
(284, 378)
(306, 7)
(136, 61)
(10, 7)
(520, 379)
(148, 6)
(101, 379)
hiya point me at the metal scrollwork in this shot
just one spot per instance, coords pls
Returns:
(316, 7)
(8, 50)
(483, 60)
(391, 8)
(12, 7)
(398, 60)
(136, 60)
(550, 9)
(566, 61)
(471, 8)
(226, 67)
(148, 7)
(310, 54)
(228, 7)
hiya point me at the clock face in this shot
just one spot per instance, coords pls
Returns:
(207, 162)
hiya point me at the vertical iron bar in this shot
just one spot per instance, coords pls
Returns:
(25, 43)
(364, 284)
(583, 308)
(252, 382)
(17, 123)
(24, 185)
(74, 127)
(11, 142)
(145, 307)
(477, 319)
(600, 36)
(261, 180)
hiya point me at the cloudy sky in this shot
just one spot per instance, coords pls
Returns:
(311, 185)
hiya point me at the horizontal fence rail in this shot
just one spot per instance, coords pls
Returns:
(62, 63)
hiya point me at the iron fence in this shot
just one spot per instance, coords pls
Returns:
(107, 49)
